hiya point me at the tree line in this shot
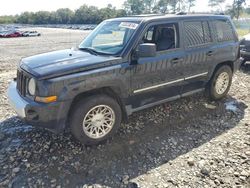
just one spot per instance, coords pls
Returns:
(83, 15)
(92, 15)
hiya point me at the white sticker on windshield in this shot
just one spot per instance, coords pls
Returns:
(129, 25)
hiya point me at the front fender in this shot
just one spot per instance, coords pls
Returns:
(117, 76)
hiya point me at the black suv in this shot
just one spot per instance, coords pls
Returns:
(245, 48)
(123, 66)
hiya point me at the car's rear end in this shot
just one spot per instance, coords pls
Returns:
(228, 38)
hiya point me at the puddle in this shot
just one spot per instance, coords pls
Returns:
(13, 130)
(16, 142)
(231, 106)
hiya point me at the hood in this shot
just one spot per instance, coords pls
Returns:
(58, 63)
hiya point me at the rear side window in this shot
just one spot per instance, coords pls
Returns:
(224, 30)
(197, 33)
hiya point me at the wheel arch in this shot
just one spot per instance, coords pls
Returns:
(111, 91)
(228, 63)
(209, 85)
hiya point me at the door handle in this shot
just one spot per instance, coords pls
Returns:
(176, 60)
(210, 53)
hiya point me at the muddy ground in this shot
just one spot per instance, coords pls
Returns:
(191, 142)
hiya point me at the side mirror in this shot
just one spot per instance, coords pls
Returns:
(147, 50)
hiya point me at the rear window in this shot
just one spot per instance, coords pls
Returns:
(224, 30)
(197, 33)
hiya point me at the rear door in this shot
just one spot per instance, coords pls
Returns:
(199, 53)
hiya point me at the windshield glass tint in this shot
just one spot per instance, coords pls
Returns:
(110, 37)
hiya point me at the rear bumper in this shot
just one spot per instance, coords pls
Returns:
(51, 116)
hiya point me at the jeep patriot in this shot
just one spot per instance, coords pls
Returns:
(123, 66)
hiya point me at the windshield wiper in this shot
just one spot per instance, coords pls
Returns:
(93, 51)
(90, 50)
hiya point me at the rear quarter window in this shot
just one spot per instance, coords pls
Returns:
(223, 30)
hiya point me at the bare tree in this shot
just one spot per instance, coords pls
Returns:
(190, 3)
(238, 6)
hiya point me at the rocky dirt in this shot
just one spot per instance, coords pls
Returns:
(191, 142)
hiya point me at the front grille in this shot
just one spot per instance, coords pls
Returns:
(22, 81)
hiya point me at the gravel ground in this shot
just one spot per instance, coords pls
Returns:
(191, 142)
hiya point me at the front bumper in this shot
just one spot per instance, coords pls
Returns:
(16, 101)
(51, 116)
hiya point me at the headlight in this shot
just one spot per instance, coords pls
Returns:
(32, 86)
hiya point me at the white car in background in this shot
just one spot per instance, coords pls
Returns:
(31, 34)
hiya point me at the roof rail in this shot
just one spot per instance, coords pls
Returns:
(220, 13)
(146, 15)
(208, 13)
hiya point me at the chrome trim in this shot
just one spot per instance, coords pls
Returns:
(168, 83)
(16, 101)
(197, 75)
(159, 85)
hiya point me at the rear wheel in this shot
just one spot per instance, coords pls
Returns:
(220, 83)
(95, 119)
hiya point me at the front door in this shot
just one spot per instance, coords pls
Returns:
(154, 79)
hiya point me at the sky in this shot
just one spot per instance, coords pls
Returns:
(11, 7)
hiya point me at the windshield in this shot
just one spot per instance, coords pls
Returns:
(110, 37)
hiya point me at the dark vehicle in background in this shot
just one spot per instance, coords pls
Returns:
(123, 66)
(245, 48)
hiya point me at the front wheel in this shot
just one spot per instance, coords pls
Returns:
(95, 119)
(220, 83)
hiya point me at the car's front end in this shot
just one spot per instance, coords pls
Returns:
(42, 96)
(34, 107)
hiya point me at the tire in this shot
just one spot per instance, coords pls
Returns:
(82, 119)
(220, 83)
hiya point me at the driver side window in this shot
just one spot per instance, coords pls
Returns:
(165, 36)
